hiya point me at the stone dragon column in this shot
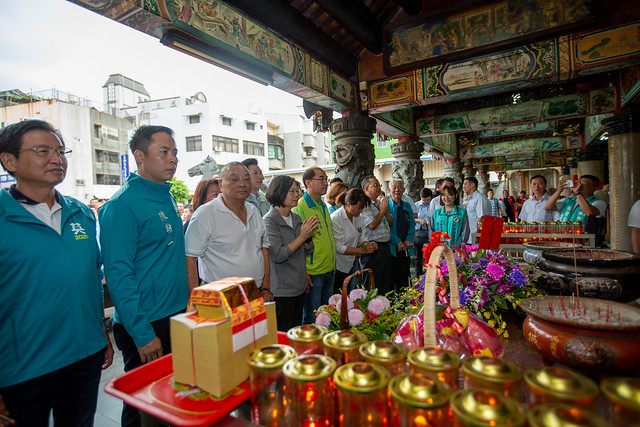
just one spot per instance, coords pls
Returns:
(453, 169)
(408, 166)
(483, 180)
(353, 153)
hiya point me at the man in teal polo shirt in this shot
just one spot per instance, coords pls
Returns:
(143, 249)
(52, 338)
(583, 204)
(321, 263)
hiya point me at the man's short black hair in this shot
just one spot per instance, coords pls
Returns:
(439, 182)
(365, 180)
(279, 189)
(448, 179)
(538, 176)
(142, 137)
(11, 136)
(425, 192)
(592, 178)
(309, 174)
(473, 180)
(252, 161)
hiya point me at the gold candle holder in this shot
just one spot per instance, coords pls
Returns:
(563, 415)
(343, 346)
(310, 390)
(557, 385)
(480, 408)
(307, 339)
(623, 395)
(385, 353)
(418, 400)
(442, 365)
(268, 405)
(363, 397)
(492, 373)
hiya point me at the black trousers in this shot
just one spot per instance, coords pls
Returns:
(379, 262)
(289, 311)
(400, 270)
(420, 239)
(131, 357)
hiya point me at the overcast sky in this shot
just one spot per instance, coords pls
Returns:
(55, 43)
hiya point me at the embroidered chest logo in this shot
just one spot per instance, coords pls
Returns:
(167, 226)
(78, 231)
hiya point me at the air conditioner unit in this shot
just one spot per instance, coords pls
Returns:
(217, 148)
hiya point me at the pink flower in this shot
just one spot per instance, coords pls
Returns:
(357, 294)
(349, 305)
(355, 317)
(495, 271)
(376, 306)
(323, 320)
(335, 299)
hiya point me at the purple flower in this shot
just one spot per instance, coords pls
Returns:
(444, 269)
(357, 294)
(335, 299)
(503, 288)
(476, 266)
(463, 297)
(495, 271)
(355, 317)
(323, 320)
(376, 305)
(483, 262)
(518, 278)
(349, 304)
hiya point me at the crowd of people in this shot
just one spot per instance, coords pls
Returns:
(298, 244)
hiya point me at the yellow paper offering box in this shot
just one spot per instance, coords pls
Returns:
(210, 345)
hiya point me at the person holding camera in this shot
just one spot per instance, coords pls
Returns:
(582, 204)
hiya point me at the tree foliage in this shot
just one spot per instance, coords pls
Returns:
(179, 190)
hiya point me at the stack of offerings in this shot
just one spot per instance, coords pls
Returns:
(227, 319)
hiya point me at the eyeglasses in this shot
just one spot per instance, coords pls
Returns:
(298, 192)
(326, 179)
(46, 151)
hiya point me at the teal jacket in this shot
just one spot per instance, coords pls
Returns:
(50, 290)
(142, 243)
(393, 210)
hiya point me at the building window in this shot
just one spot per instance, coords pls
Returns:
(111, 92)
(226, 121)
(97, 131)
(276, 152)
(104, 156)
(194, 118)
(104, 179)
(194, 143)
(250, 125)
(253, 148)
(221, 143)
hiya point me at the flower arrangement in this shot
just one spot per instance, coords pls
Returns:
(490, 283)
(374, 315)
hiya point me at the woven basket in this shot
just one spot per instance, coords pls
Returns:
(431, 279)
(344, 323)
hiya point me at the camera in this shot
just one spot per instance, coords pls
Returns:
(568, 183)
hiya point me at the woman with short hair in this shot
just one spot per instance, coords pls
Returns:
(289, 243)
(450, 218)
(333, 195)
(349, 234)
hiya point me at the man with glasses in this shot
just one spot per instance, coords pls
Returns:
(321, 263)
(52, 337)
(228, 235)
(143, 248)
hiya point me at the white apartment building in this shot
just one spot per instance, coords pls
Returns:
(204, 129)
(99, 162)
(303, 147)
(120, 92)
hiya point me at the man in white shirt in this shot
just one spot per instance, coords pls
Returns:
(256, 196)
(228, 235)
(477, 205)
(533, 209)
(634, 224)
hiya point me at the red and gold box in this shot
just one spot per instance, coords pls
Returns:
(227, 319)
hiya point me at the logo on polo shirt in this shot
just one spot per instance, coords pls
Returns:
(78, 231)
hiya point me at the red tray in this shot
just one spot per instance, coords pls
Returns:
(151, 389)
